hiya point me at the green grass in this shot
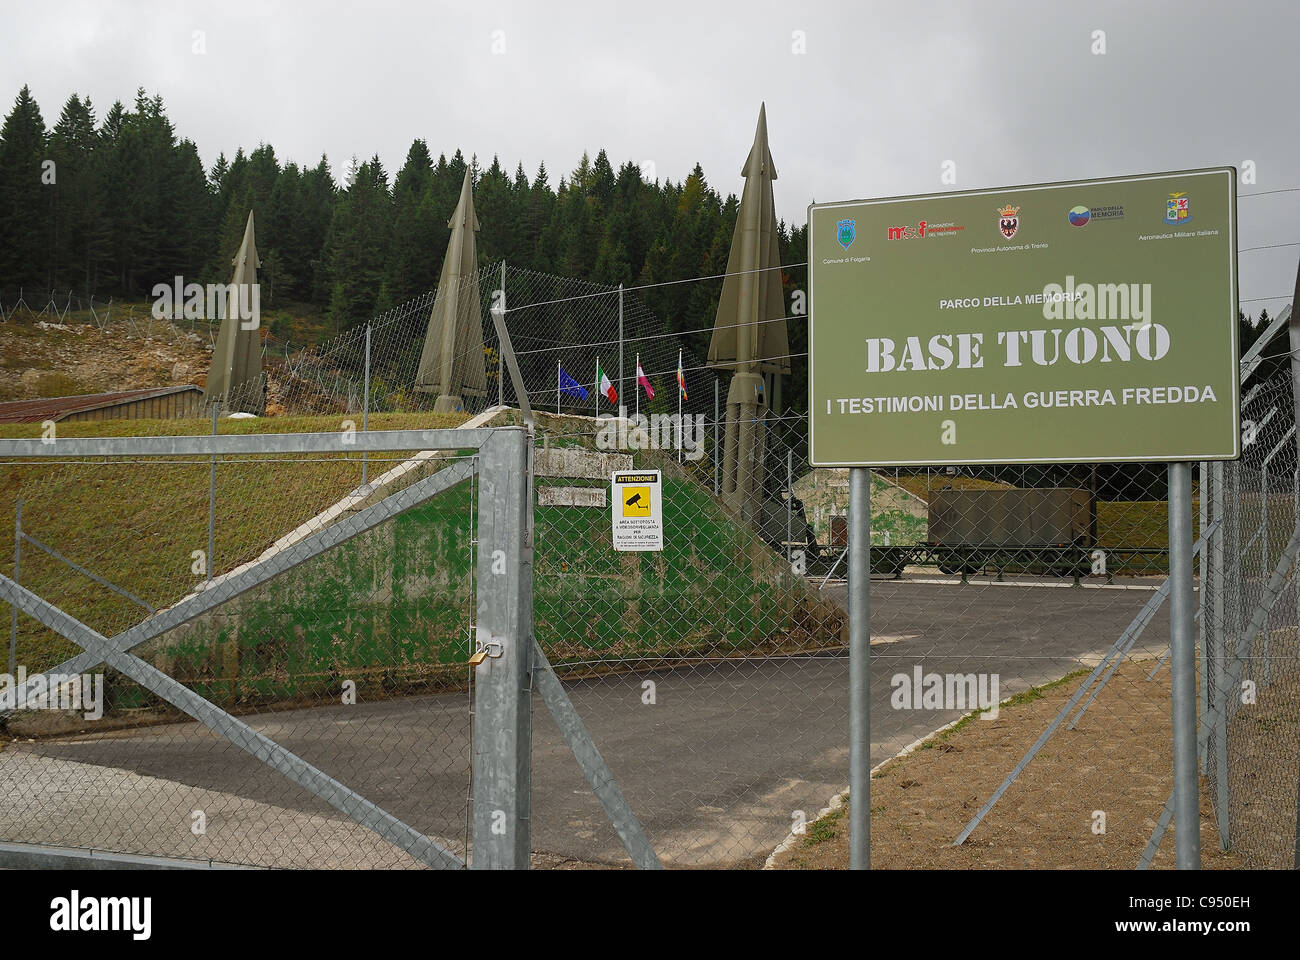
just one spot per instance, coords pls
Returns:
(827, 828)
(894, 525)
(714, 588)
(55, 383)
(137, 523)
(320, 423)
(1137, 523)
(896, 518)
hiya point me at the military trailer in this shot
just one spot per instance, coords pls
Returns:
(1049, 528)
(1046, 530)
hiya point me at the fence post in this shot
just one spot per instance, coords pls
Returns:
(365, 411)
(18, 554)
(620, 344)
(859, 668)
(1220, 643)
(501, 362)
(789, 503)
(212, 495)
(504, 632)
(1182, 668)
(1203, 626)
(717, 489)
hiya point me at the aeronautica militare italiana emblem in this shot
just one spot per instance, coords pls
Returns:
(845, 232)
(1178, 208)
(1008, 221)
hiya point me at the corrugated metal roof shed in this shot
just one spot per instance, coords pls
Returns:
(184, 400)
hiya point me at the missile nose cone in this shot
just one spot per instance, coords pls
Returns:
(759, 162)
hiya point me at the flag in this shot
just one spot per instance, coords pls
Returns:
(572, 387)
(644, 381)
(681, 378)
(604, 386)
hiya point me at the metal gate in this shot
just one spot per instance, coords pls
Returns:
(504, 662)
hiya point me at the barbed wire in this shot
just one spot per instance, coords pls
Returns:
(652, 336)
(648, 286)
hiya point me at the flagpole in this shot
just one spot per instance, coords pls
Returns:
(681, 431)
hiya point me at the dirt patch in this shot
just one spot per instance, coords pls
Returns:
(1117, 760)
(44, 359)
(1263, 740)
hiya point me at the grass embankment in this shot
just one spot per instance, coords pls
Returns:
(391, 608)
(137, 523)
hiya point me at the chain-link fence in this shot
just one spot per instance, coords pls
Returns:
(1251, 676)
(561, 329)
(712, 674)
(325, 625)
(709, 672)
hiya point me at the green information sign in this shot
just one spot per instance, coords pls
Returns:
(1063, 322)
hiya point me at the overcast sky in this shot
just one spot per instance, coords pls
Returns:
(880, 96)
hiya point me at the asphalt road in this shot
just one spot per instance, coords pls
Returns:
(714, 767)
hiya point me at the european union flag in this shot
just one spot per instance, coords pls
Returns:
(571, 387)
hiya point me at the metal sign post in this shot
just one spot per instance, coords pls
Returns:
(859, 668)
(1182, 666)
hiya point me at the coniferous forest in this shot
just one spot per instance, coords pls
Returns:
(110, 205)
(131, 204)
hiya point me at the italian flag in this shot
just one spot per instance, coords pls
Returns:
(604, 386)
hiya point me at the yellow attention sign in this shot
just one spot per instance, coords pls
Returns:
(636, 510)
(636, 501)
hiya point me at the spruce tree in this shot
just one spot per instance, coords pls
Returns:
(26, 205)
(412, 267)
(357, 247)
